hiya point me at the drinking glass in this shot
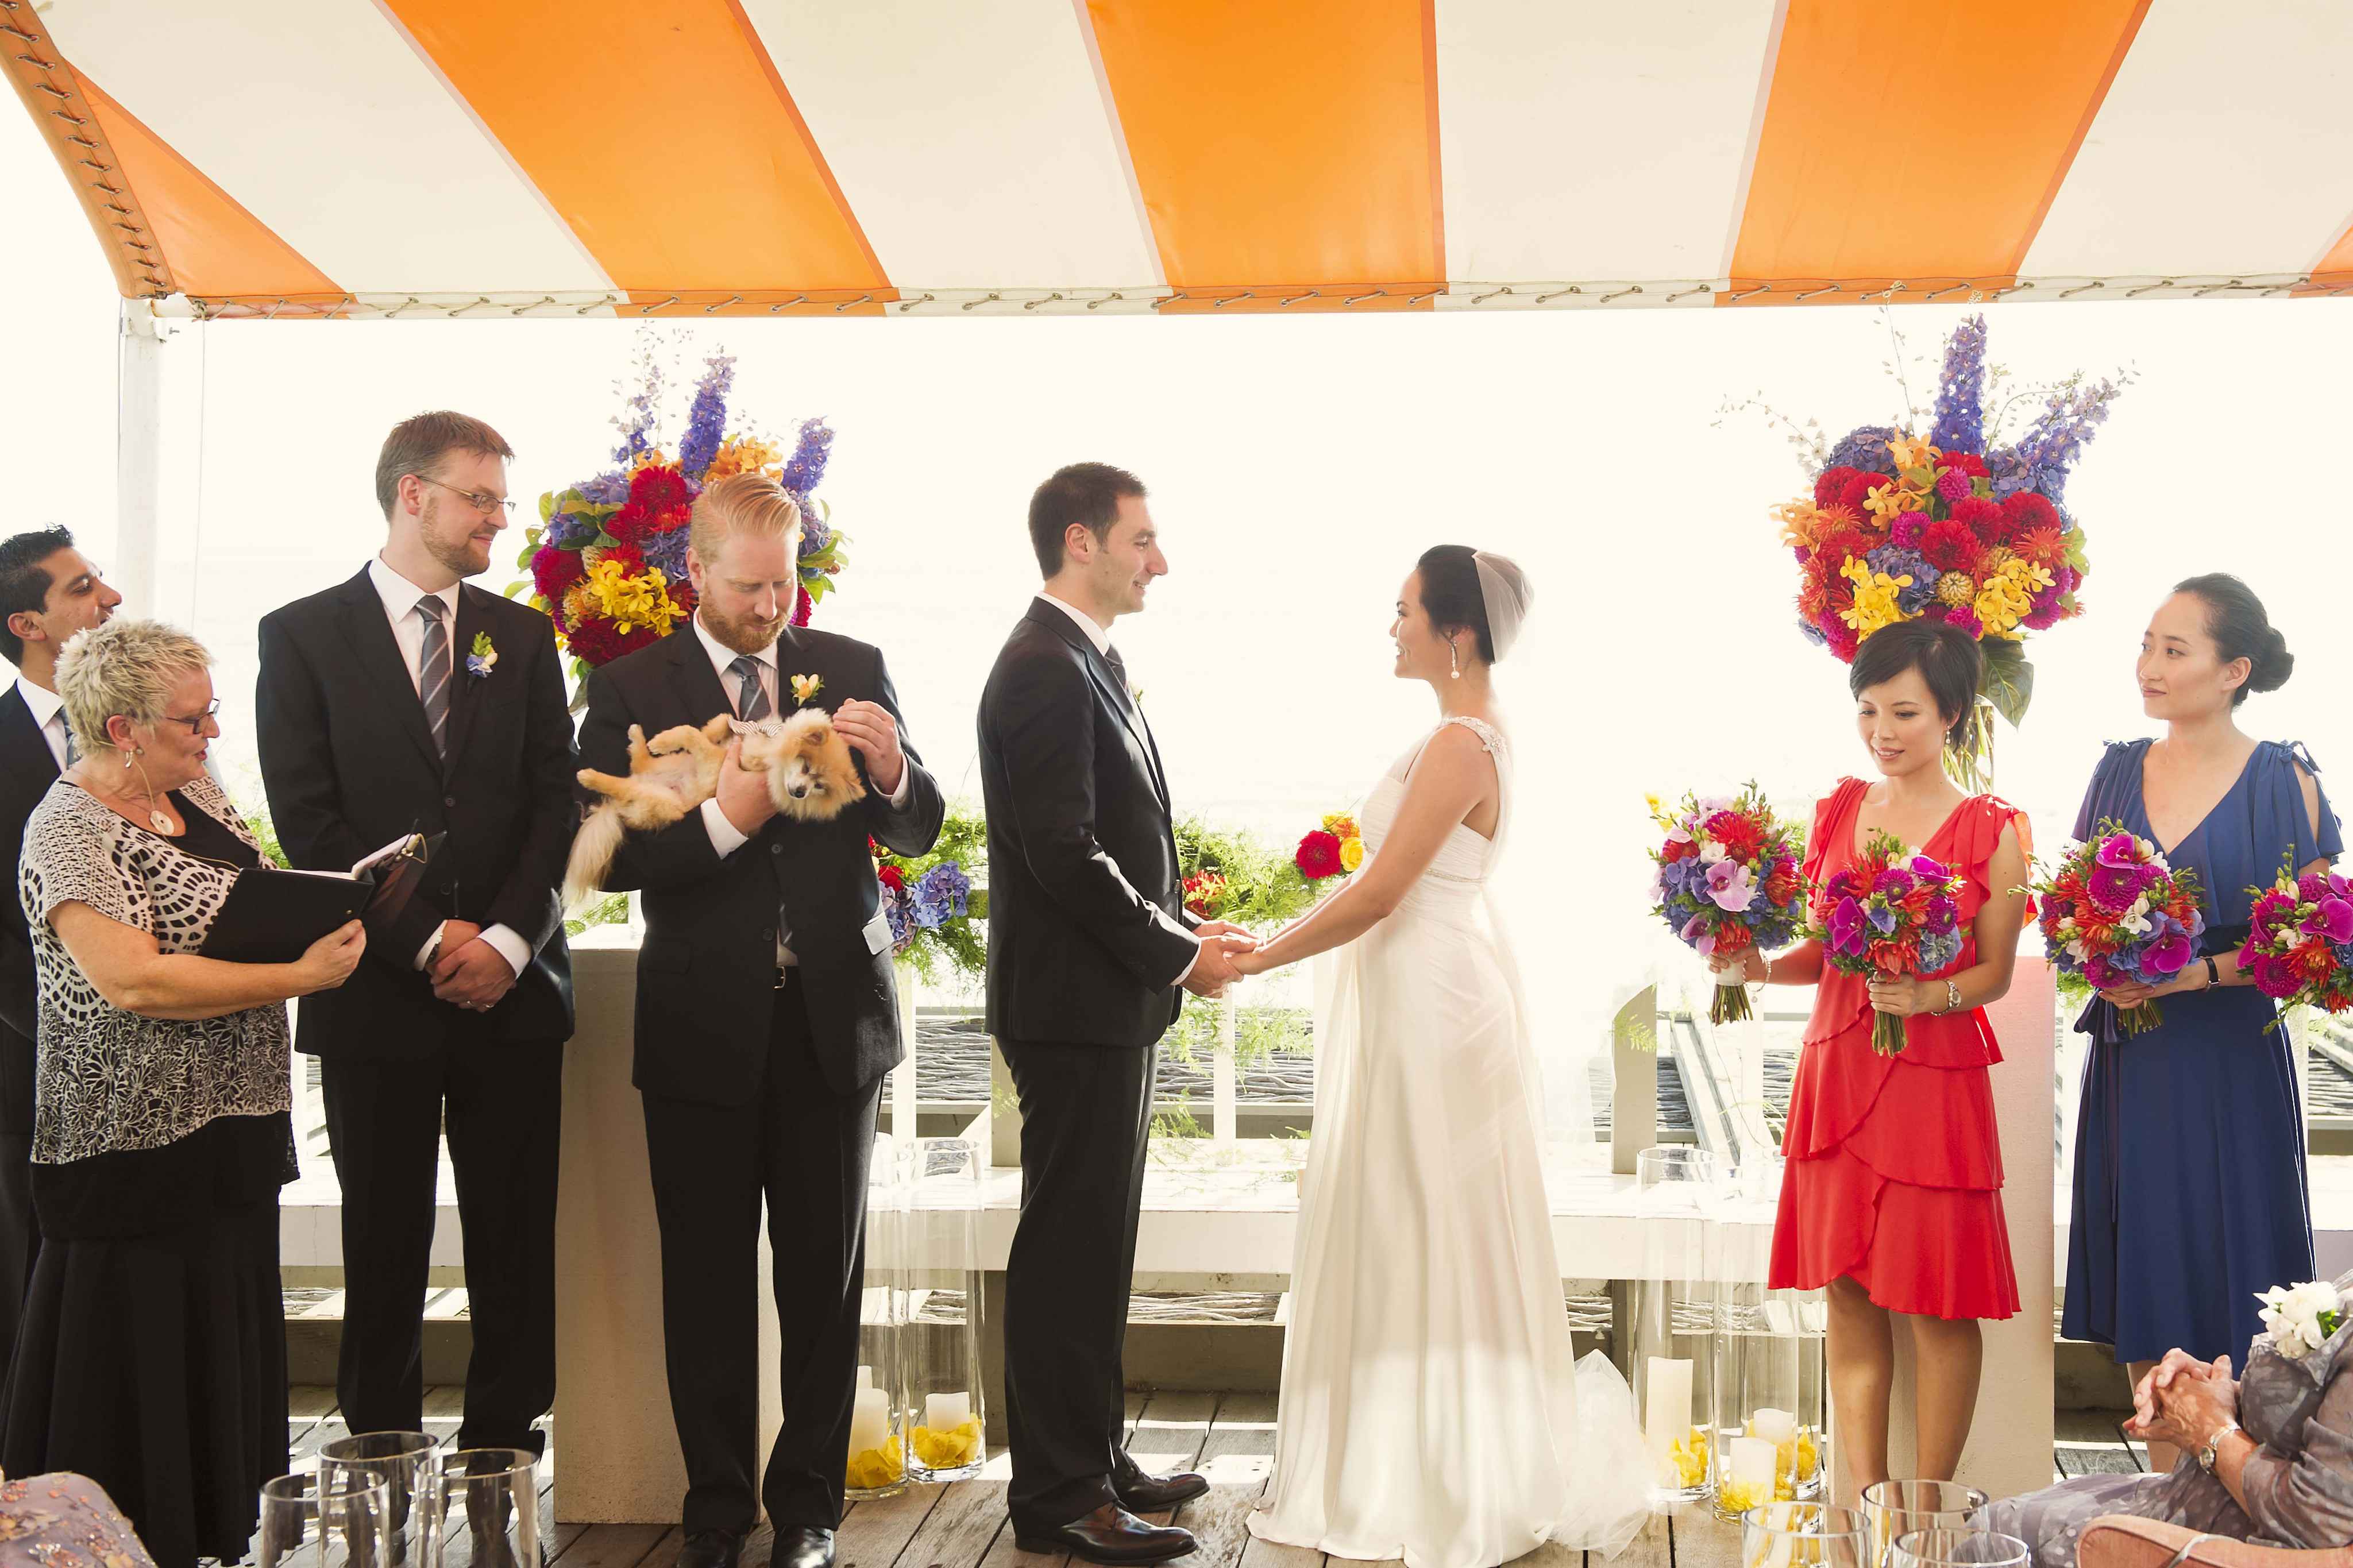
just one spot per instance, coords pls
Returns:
(1965, 1548)
(493, 1495)
(325, 1521)
(406, 1462)
(1804, 1535)
(1896, 1508)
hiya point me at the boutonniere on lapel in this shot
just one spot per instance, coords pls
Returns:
(806, 688)
(1135, 694)
(483, 659)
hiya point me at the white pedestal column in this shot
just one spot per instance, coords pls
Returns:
(619, 1447)
(2009, 1449)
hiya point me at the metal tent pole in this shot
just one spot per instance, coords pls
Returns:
(138, 454)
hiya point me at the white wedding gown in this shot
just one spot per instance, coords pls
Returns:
(1432, 1406)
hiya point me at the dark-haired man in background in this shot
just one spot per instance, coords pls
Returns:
(408, 701)
(48, 593)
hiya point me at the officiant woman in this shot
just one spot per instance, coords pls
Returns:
(153, 1355)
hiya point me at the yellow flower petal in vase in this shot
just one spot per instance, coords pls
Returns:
(947, 1448)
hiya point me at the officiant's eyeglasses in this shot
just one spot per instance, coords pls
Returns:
(198, 722)
(488, 505)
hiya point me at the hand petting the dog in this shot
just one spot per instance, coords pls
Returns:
(874, 735)
(743, 792)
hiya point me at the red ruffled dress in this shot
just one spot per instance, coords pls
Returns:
(1894, 1163)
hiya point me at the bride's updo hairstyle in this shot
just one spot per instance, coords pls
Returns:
(1451, 595)
(1946, 657)
(2236, 621)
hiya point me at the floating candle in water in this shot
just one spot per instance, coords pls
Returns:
(942, 1412)
(1667, 1410)
(869, 1420)
(865, 1377)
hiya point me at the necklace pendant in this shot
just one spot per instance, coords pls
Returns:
(162, 824)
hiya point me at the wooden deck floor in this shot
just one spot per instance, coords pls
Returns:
(1228, 1438)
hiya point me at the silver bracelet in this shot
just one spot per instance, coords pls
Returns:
(1768, 971)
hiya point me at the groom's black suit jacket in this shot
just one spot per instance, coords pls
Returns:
(27, 769)
(348, 761)
(1087, 925)
(707, 971)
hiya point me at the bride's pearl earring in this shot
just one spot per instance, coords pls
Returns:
(1454, 657)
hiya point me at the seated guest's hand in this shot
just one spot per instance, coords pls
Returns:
(2191, 1408)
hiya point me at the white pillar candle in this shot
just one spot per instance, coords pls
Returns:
(1667, 1411)
(869, 1421)
(1776, 1426)
(944, 1411)
(865, 1377)
(1753, 1462)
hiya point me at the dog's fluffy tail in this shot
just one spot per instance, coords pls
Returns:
(593, 849)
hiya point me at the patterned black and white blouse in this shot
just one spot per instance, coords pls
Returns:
(107, 1079)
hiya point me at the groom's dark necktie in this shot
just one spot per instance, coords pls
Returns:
(751, 693)
(1119, 669)
(433, 670)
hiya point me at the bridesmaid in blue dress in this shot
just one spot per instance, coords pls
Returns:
(2189, 1150)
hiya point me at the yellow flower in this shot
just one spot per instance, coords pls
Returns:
(1800, 520)
(629, 602)
(948, 1448)
(744, 454)
(880, 1467)
(806, 687)
(1892, 500)
(2008, 594)
(651, 458)
(1340, 825)
(1687, 1458)
(1352, 853)
(1912, 452)
(1874, 597)
(1737, 1497)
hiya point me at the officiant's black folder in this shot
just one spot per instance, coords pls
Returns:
(273, 916)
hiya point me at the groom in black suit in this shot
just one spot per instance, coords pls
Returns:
(766, 1017)
(408, 701)
(1089, 944)
(48, 593)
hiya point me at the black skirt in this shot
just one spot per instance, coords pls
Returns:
(153, 1357)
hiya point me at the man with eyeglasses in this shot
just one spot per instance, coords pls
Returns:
(48, 593)
(407, 699)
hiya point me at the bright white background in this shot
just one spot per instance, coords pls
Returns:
(1297, 467)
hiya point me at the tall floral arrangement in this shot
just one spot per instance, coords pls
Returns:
(937, 909)
(607, 560)
(1955, 525)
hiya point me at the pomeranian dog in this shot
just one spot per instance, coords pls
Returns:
(811, 778)
(669, 775)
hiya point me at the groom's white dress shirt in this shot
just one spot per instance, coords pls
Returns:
(400, 595)
(1100, 634)
(724, 839)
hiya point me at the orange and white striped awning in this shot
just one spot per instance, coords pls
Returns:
(365, 158)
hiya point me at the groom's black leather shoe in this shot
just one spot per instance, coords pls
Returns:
(1142, 1493)
(800, 1546)
(1110, 1534)
(712, 1549)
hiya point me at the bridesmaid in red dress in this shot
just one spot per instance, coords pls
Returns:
(1892, 1195)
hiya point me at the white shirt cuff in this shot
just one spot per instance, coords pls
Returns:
(1188, 975)
(897, 799)
(510, 945)
(724, 835)
(424, 954)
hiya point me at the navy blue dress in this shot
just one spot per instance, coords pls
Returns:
(2190, 1150)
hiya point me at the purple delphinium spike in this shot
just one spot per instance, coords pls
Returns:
(2041, 457)
(706, 419)
(638, 413)
(1960, 390)
(807, 467)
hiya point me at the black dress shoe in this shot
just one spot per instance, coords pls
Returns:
(1142, 1494)
(1110, 1534)
(799, 1546)
(712, 1549)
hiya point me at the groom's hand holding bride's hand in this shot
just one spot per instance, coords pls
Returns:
(1221, 944)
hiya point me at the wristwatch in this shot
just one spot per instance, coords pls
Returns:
(2213, 1448)
(2213, 975)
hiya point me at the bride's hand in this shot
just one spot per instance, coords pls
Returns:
(1251, 962)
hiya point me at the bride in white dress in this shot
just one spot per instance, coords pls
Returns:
(1433, 1405)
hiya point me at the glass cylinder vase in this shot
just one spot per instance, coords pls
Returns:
(1768, 1435)
(877, 1428)
(944, 1416)
(1671, 1321)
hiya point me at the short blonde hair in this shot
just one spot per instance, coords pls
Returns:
(740, 503)
(123, 667)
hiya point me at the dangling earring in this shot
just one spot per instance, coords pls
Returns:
(1454, 657)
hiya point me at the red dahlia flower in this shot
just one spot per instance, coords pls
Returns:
(1318, 856)
(1832, 484)
(1985, 518)
(1740, 835)
(1953, 545)
(1969, 463)
(659, 489)
(891, 877)
(2028, 510)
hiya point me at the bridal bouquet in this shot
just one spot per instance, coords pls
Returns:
(2114, 913)
(1892, 912)
(2299, 949)
(1728, 881)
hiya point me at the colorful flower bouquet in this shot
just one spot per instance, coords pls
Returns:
(2299, 949)
(1334, 849)
(607, 557)
(937, 915)
(1727, 881)
(1950, 526)
(2300, 1319)
(2114, 913)
(1893, 912)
